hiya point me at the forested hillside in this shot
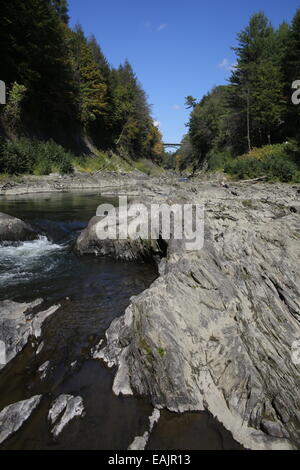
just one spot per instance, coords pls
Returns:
(60, 86)
(229, 126)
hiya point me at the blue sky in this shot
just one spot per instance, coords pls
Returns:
(176, 47)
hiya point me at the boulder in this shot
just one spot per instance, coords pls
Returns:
(14, 229)
(128, 249)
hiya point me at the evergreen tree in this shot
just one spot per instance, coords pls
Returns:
(99, 58)
(61, 8)
(90, 83)
(33, 54)
(257, 81)
(291, 69)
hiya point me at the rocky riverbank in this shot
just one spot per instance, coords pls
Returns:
(216, 329)
(102, 180)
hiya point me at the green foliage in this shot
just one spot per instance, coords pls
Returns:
(148, 167)
(71, 90)
(275, 151)
(271, 161)
(168, 161)
(254, 110)
(161, 352)
(61, 8)
(40, 61)
(32, 156)
(103, 161)
(90, 83)
(190, 102)
(13, 109)
(208, 126)
(217, 160)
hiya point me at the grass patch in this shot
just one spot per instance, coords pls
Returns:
(148, 167)
(102, 161)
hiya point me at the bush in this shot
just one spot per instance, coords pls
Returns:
(217, 160)
(32, 156)
(272, 161)
(17, 157)
(274, 151)
(13, 109)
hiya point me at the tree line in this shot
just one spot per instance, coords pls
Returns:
(61, 86)
(255, 108)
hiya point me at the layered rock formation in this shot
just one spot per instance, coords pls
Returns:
(217, 328)
(18, 323)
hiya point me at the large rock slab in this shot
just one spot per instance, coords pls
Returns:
(18, 323)
(14, 229)
(216, 330)
(14, 416)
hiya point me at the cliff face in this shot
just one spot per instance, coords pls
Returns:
(217, 329)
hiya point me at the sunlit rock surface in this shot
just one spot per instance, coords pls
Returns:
(217, 328)
(13, 416)
(63, 410)
(18, 323)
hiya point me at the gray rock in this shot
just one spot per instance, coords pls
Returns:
(14, 229)
(129, 249)
(13, 416)
(43, 369)
(63, 410)
(17, 324)
(140, 442)
(215, 330)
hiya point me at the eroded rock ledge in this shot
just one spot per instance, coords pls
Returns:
(216, 329)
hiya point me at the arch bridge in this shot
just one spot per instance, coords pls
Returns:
(166, 145)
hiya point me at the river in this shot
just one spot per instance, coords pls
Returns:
(91, 292)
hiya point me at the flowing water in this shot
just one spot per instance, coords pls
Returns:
(92, 292)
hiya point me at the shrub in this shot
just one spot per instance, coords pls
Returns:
(275, 151)
(272, 161)
(32, 156)
(217, 160)
(13, 109)
(17, 157)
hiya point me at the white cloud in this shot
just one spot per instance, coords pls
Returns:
(161, 27)
(176, 107)
(226, 65)
(156, 123)
(152, 28)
